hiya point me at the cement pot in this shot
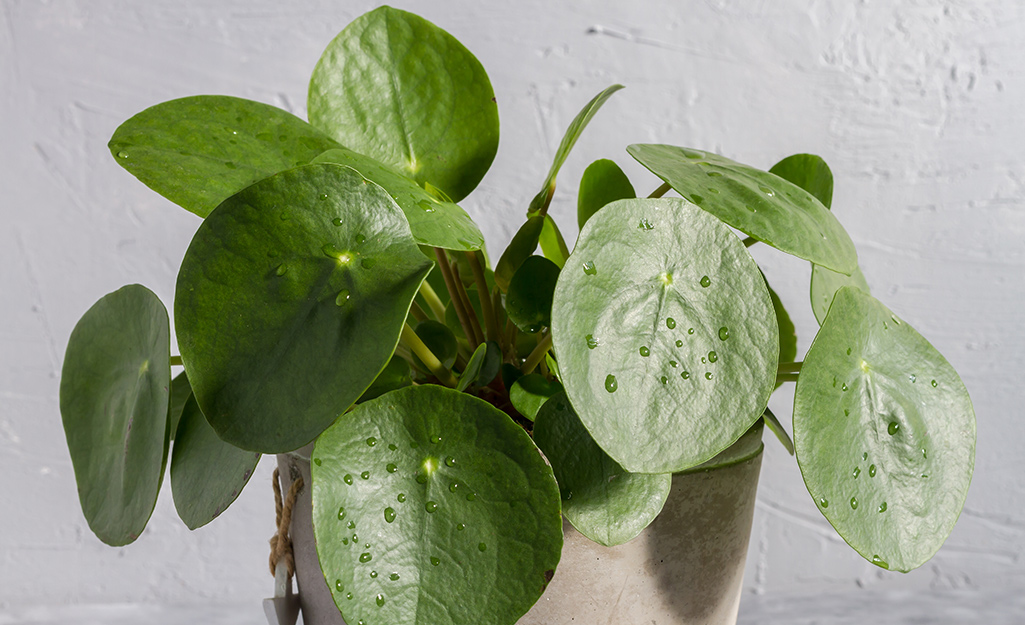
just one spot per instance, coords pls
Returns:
(686, 568)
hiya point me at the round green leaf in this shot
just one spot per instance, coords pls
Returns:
(114, 400)
(532, 391)
(553, 245)
(884, 433)
(529, 301)
(603, 501)
(666, 338)
(755, 202)
(434, 222)
(284, 318)
(401, 90)
(198, 151)
(207, 474)
(810, 173)
(825, 284)
(431, 507)
(603, 182)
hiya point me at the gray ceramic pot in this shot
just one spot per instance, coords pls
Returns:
(686, 568)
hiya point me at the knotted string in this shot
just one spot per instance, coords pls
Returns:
(280, 542)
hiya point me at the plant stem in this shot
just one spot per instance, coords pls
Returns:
(433, 301)
(417, 312)
(510, 340)
(749, 241)
(176, 361)
(403, 352)
(485, 295)
(453, 292)
(427, 357)
(471, 314)
(659, 192)
(538, 354)
(786, 377)
(789, 367)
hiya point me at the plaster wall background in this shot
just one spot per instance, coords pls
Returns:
(918, 106)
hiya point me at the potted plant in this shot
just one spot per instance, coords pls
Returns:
(337, 307)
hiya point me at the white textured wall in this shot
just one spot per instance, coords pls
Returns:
(918, 105)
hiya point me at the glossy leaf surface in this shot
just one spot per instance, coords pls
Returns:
(603, 182)
(884, 432)
(665, 333)
(200, 150)
(431, 507)
(573, 132)
(532, 391)
(603, 501)
(283, 317)
(809, 172)
(529, 300)
(825, 284)
(207, 474)
(755, 202)
(114, 397)
(434, 222)
(401, 90)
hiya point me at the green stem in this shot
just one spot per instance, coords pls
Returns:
(659, 192)
(453, 292)
(417, 312)
(510, 340)
(538, 354)
(789, 367)
(786, 377)
(471, 314)
(176, 361)
(484, 294)
(426, 356)
(749, 241)
(433, 301)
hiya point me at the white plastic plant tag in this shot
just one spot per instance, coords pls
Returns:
(283, 609)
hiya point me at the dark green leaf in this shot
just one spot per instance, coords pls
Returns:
(492, 361)
(603, 501)
(396, 374)
(434, 222)
(181, 390)
(283, 317)
(755, 202)
(401, 90)
(576, 128)
(114, 400)
(522, 247)
(510, 373)
(787, 332)
(666, 337)
(825, 284)
(207, 474)
(603, 182)
(529, 301)
(810, 173)
(884, 432)
(200, 150)
(530, 392)
(431, 507)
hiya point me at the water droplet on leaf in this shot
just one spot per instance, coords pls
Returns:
(391, 468)
(645, 351)
(430, 506)
(724, 333)
(347, 479)
(708, 375)
(871, 470)
(610, 383)
(893, 428)
(882, 507)
(401, 498)
(705, 281)
(589, 268)
(365, 557)
(389, 514)
(670, 323)
(371, 441)
(712, 357)
(854, 503)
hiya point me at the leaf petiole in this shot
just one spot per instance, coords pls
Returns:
(176, 361)
(487, 309)
(433, 301)
(426, 356)
(659, 192)
(538, 354)
(789, 367)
